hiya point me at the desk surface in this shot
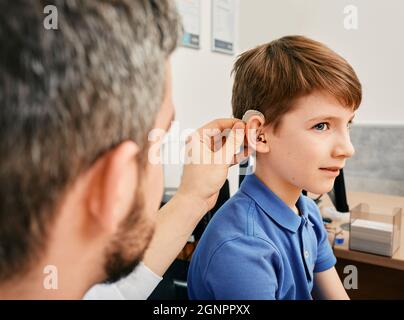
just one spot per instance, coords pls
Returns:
(377, 202)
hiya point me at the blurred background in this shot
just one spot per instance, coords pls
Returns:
(369, 34)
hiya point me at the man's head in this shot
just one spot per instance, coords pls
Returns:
(76, 106)
(291, 81)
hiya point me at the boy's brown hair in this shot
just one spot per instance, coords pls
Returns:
(270, 77)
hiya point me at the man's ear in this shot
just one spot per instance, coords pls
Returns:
(112, 187)
(257, 135)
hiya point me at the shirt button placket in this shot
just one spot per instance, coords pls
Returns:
(306, 252)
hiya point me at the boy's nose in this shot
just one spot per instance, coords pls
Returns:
(344, 147)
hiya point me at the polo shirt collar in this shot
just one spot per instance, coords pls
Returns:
(272, 205)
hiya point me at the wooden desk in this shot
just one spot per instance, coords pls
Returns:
(377, 203)
(379, 277)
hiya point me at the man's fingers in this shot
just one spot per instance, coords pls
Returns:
(221, 124)
(217, 142)
(234, 141)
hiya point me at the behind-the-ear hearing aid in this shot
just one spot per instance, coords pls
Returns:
(247, 116)
(250, 113)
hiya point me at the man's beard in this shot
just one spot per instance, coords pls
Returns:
(130, 242)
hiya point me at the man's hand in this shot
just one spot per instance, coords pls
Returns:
(211, 150)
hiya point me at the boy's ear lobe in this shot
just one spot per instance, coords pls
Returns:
(112, 187)
(257, 135)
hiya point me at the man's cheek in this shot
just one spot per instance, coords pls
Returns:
(155, 187)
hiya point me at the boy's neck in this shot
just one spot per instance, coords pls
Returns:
(284, 190)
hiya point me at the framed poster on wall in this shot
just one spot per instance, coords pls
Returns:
(223, 25)
(190, 11)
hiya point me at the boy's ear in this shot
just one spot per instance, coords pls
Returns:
(112, 187)
(257, 135)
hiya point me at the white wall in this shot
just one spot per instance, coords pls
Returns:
(375, 49)
(201, 88)
(201, 78)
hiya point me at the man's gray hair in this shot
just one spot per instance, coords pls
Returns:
(68, 96)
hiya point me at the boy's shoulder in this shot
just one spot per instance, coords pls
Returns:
(235, 221)
(231, 218)
(228, 234)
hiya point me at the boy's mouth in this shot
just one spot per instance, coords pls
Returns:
(334, 170)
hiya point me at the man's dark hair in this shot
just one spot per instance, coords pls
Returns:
(68, 96)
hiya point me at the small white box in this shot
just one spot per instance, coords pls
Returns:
(374, 232)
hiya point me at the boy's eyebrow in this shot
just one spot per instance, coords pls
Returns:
(327, 117)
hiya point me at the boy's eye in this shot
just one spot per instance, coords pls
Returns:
(322, 126)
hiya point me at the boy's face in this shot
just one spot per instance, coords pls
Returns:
(310, 138)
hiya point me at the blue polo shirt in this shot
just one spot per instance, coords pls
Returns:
(256, 247)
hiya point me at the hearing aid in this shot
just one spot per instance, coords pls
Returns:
(249, 113)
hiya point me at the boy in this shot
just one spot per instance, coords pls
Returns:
(268, 241)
